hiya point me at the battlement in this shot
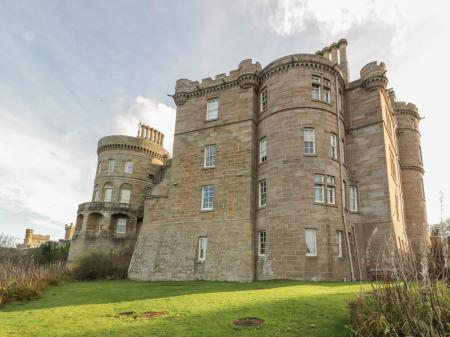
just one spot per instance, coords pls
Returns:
(373, 75)
(245, 75)
(406, 108)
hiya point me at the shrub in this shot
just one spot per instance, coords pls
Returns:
(103, 266)
(21, 278)
(51, 252)
(410, 304)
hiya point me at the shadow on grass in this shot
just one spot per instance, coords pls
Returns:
(108, 292)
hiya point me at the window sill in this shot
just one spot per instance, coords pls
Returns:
(335, 159)
(261, 207)
(211, 120)
(208, 167)
(311, 256)
(199, 261)
(320, 101)
(324, 204)
(207, 210)
(309, 154)
(262, 162)
(261, 256)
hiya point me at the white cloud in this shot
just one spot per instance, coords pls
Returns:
(39, 176)
(150, 112)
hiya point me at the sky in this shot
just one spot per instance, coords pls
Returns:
(72, 72)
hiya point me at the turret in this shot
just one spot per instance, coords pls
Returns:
(337, 53)
(411, 164)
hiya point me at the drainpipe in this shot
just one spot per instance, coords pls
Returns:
(341, 181)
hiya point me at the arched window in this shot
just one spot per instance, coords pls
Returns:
(125, 194)
(119, 223)
(129, 166)
(94, 222)
(79, 223)
(97, 194)
(107, 192)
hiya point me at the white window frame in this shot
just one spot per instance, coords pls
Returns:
(316, 80)
(331, 190)
(210, 156)
(319, 185)
(353, 198)
(326, 89)
(99, 167)
(342, 150)
(263, 99)
(107, 194)
(334, 146)
(262, 193)
(212, 109)
(262, 243)
(308, 241)
(111, 165)
(339, 235)
(125, 199)
(121, 225)
(311, 138)
(202, 248)
(263, 150)
(422, 188)
(210, 191)
(129, 166)
(321, 89)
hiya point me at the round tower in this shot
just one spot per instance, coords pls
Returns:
(412, 171)
(127, 169)
(300, 168)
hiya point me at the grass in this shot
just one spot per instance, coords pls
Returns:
(199, 308)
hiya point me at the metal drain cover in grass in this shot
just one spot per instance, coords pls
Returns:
(248, 321)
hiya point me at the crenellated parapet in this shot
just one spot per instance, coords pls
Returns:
(245, 76)
(407, 108)
(373, 75)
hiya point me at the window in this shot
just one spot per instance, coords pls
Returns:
(208, 197)
(97, 195)
(202, 246)
(212, 111)
(344, 194)
(331, 190)
(262, 237)
(263, 100)
(342, 150)
(353, 198)
(129, 166)
(319, 186)
(339, 242)
(309, 141)
(125, 196)
(311, 244)
(326, 88)
(107, 194)
(316, 88)
(262, 188)
(420, 155)
(341, 101)
(333, 143)
(210, 156)
(321, 89)
(111, 165)
(121, 226)
(263, 150)
(99, 167)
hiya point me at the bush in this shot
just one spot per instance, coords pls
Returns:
(411, 304)
(51, 252)
(103, 266)
(21, 278)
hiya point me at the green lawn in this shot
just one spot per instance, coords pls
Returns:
(193, 309)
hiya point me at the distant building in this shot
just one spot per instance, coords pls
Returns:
(69, 230)
(33, 240)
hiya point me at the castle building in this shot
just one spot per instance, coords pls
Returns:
(32, 240)
(69, 230)
(290, 171)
